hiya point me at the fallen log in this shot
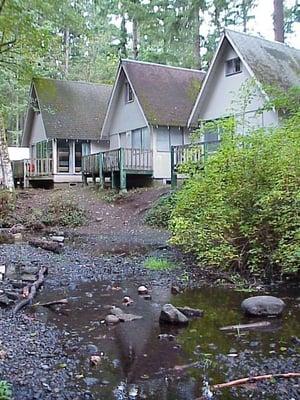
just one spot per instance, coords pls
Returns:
(31, 290)
(51, 303)
(255, 325)
(48, 245)
(252, 379)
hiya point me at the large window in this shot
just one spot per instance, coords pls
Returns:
(140, 139)
(43, 149)
(167, 137)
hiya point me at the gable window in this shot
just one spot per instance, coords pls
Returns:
(233, 66)
(128, 93)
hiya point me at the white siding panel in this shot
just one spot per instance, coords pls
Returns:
(37, 131)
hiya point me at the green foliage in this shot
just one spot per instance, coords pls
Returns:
(242, 211)
(158, 264)
(7, 205)
(160, 213)
(63, 212)
(5, 390)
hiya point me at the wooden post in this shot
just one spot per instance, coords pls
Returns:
(113, 180)
(173, 172)
(101, 174)
(84, 179)
(94, 178)
(123, 187)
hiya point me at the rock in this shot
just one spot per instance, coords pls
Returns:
(147, 297)
(90, 381)
(123, 317)
(175, 289)
(1, 277)
(191, 312)
(170, 314)
(263, 306)
(92, 349)
(5, 301)
(58, 239)
(18, 228)
(2, 269)
(95, 360)
(18, 237)
(111, 319)
(127, 300)
(142, 290)
(28, 277)
(166, 336)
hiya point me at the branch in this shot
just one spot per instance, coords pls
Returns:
(2, 5)
(252, 379)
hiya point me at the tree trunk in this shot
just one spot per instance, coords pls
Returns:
(67, 51)
(6, 170)
(197, 41)
(135, 38)
(278, 20)
(123, 39)
(244, 16)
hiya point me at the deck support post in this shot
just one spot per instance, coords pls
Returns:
(101, 174)
(113, 180)
(173, 172)
(94, 179)
(84, 180)
(123, 187)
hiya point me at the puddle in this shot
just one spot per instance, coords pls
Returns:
(135, 364)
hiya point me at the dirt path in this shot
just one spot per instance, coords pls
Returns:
(112, 226)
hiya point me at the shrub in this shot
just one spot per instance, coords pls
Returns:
(5, 391)
(63, 212)
(158, 264)
(242, 211)
(7, 205)
(159, 215)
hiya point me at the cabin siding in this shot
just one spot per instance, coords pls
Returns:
(126, 116)
(38, 133)
(223, 97)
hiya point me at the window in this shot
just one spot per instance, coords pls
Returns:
(140, 139)
(128, 93)
(233, 66)
(44, 149)
(167, 137)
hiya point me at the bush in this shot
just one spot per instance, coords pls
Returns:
(63, 212)
(242, 211)
(7, 205)
(159, 215)
(5, 391)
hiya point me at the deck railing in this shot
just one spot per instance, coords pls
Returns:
(90, 164)
(190, 153)
(120, 159)
(32, 168)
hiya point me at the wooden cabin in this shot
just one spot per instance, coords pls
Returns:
(147, 114)
(63, 123)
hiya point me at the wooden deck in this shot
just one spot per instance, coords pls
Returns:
(25, 170)
(190, 153)
(117, 164)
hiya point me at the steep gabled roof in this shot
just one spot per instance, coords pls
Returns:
(70, 110)
(165, 94)
(273, 63)
(270, 63)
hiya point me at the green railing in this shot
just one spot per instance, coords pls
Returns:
(190, 153)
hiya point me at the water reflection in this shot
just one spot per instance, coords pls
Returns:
(135, 364)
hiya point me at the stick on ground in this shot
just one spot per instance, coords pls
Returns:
(31, 290)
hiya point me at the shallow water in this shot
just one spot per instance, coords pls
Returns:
(135, 364)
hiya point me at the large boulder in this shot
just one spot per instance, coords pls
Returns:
(171, 315)
(262, 306)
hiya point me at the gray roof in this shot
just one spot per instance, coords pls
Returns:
(273, 63)
(71, 110)
(166, 94)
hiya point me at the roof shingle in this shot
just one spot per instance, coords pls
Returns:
(72, 110)
(166, 94)
(273, 63)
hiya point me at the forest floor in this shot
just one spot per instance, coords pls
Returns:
(46, 353)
